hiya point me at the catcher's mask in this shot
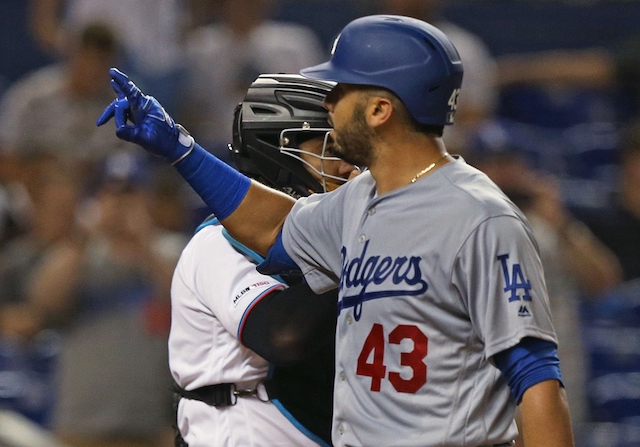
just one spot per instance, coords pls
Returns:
(278, 114)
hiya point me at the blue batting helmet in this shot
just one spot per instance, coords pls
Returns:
(412, 58)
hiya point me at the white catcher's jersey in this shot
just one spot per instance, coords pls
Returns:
(434, 278)
(213, 288)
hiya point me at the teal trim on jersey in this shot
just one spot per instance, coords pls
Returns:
(298, 425)
(211, 220)
(241, 247)
(247, 251)
(237, 244)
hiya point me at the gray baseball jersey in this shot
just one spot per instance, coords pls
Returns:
(434, 278)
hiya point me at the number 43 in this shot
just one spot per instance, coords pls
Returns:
(374, 348)
(453, 100)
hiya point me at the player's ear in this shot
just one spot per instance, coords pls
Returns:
(379, 110)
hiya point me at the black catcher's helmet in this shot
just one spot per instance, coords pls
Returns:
(279, 112)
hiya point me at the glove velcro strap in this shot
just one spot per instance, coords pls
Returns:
(185, 140)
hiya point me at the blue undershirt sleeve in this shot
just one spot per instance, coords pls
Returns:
(529, 362)
(221, 187)
(278, 261)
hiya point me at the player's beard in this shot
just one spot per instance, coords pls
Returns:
(354, 142)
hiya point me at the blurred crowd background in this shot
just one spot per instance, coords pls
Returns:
(91, 227)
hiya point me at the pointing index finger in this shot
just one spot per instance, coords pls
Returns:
(123, 85)
(116, 88)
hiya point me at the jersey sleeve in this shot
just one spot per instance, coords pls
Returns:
(227, 280)
(499, 274)
(312, 237)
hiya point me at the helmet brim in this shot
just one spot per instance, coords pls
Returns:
(327, 71)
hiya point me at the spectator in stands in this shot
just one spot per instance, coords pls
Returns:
(151, 33)
(20, 52)
(225, 56)
(615, 68)
(54, 196)
(618, 225)
(112, 287)
(28, 357)
(54, 107)
(174, 207)
(568, 105)
(14, 200)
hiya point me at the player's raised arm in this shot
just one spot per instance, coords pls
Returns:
(251, 212)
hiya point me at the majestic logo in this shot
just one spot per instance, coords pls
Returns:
(363, 271)
(515, 281)
(524, 311)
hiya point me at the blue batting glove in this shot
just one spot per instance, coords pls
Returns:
(152, 127)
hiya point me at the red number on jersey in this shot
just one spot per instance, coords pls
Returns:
(374, 347)
(376, 369)
(413, 359)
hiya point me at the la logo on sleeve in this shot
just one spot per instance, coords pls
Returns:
(516, 284)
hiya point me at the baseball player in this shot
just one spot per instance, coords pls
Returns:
(443, 316)
(231, 396)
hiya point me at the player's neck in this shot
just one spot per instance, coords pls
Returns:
(397, 164)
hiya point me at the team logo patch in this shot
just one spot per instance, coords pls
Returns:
(516, 285)
(237, 298)
(515, 281)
